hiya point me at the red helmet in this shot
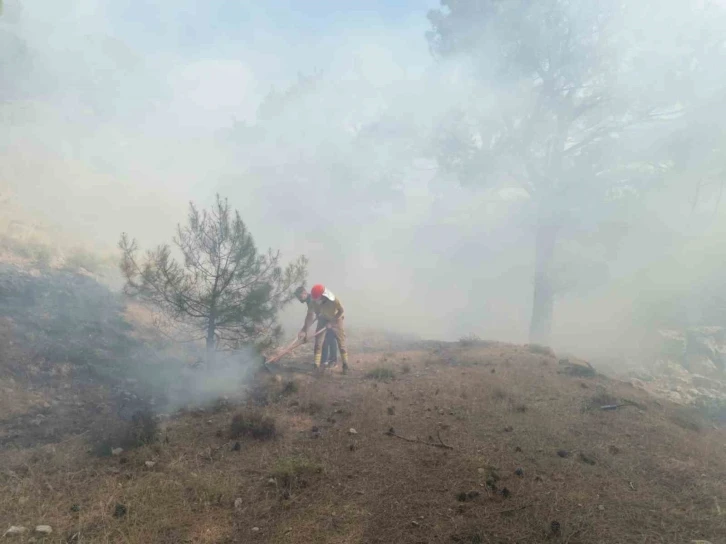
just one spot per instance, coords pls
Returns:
(317, 291)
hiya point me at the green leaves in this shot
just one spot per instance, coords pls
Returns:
(223, 289)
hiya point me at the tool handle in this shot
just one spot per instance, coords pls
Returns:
(292, 346)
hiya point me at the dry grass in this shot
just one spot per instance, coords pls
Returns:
(381, 373)
(252, 424)
(632, 475)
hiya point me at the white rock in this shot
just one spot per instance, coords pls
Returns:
(352, 431)
(150, 464)
(238, 503)
(15, 530)
(43, 529)
(117, 451)
(255, 529)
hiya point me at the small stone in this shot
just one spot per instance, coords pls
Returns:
(481, 470)
(415, 523)
(117, 451)
(601, 507)
(149, 464)
(15, 531)
(352, 431)
(519, 472)
(563, 453)
(238, 503)
(518, 449)
(255, 529)
(272, 481)
(508, 429)
(43, 529)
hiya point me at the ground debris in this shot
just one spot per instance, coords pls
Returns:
(15, 530)
(439, 444)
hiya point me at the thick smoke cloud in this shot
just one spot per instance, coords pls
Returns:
(115, 114)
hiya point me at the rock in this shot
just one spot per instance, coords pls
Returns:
(15, 531)
(352, 431)
(563, 453)
(601, 507)
(44, 529)
(508, 429)
(117, 451)
(255, 529)
(238, 503)
(415, 523)
(700, 364)
(149, 464)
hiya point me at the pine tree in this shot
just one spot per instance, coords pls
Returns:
(223, 291)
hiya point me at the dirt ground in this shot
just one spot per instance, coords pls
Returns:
(483, 444)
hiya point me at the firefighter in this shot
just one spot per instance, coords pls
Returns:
(330, 315)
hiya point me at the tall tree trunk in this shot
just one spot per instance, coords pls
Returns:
(211, 340)
(543, 304)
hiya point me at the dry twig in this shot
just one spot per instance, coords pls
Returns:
(440, 443)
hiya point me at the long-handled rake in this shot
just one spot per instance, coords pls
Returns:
(290, 347)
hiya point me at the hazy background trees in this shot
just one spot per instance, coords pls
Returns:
(372, 162)
(574, 108)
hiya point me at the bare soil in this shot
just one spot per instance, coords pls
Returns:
(487, 443)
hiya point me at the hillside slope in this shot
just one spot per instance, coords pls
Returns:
(530, 456)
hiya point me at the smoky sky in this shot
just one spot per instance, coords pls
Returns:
(115, 114)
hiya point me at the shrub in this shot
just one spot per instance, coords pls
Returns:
(381, 374)
(253, 424)
(141, 430)
(540, 350)
(292, 473)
